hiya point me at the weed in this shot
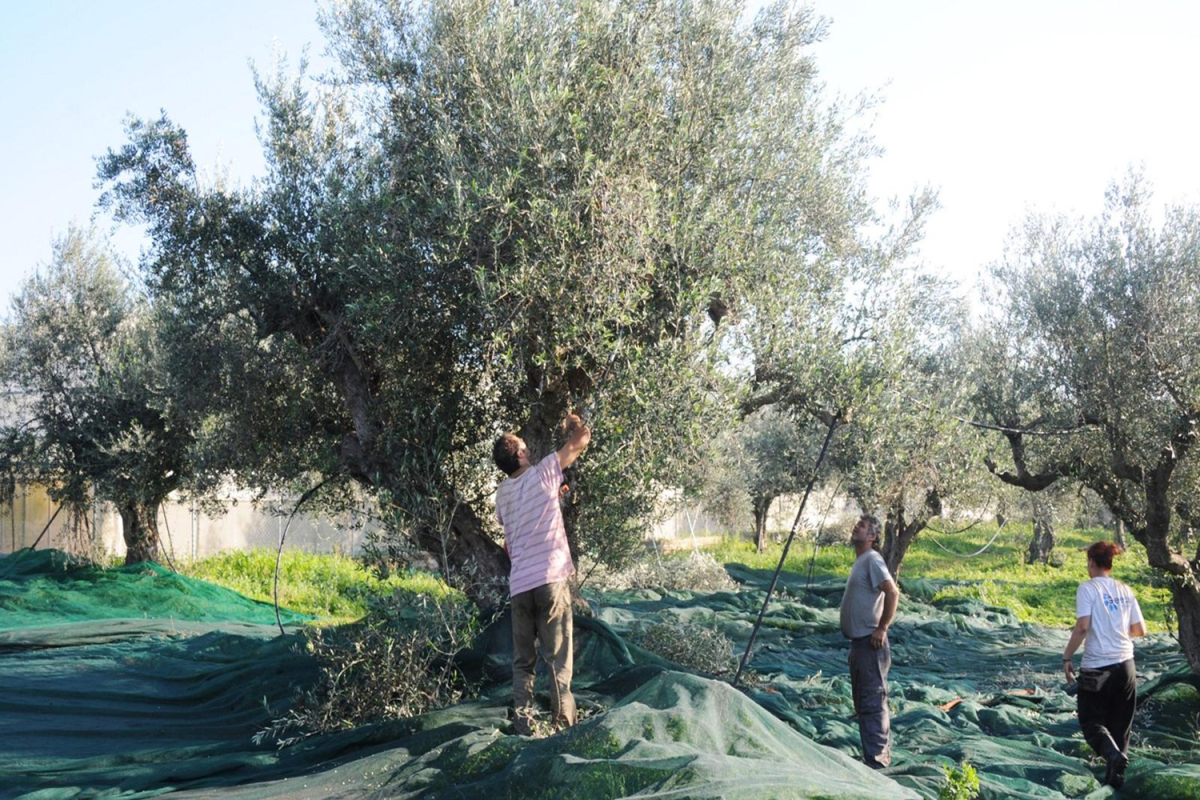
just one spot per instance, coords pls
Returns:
(1043, 594)
(318, 584)
(962, 783)
(826, 560)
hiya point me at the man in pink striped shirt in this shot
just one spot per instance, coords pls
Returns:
(527, 503)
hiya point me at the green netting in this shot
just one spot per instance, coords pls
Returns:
(135, 683)
(50, 588)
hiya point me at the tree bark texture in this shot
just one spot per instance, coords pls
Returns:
(471, 561)
(1186, 600)
(762, 506)
(898, 535)
(1043, 540)
(140, 530)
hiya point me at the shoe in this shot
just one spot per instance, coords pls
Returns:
(522, 723)
(1114, 774)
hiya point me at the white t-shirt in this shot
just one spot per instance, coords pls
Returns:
(1112, 607)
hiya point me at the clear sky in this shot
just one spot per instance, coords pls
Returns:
(1002, 107)
(71, 70)
(1006, 107)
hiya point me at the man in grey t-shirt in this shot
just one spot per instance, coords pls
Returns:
(868, 608)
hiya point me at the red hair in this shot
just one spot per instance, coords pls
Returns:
(1101, 554)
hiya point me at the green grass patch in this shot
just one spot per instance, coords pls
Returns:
(974, 563)
(979, 563)
(829, 559)
(332, 587)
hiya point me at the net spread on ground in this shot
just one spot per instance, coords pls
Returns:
(137, 682)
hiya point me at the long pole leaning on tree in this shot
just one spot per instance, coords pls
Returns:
(833, 423)
(283, 535)
(53, 517)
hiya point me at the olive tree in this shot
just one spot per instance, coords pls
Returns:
(487, 215)
(97, 422)
(870, 354)
(774, 459)
(1089, 371)
(911, 457)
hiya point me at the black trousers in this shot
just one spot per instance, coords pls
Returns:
(1106, 716)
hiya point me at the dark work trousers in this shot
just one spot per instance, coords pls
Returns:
(868, 682)
(1106, 716)
(543, 616)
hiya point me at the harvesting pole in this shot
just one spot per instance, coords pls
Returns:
(833, 423)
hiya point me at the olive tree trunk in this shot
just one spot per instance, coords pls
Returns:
(762, 507)
(139, 526)
(1043, 540)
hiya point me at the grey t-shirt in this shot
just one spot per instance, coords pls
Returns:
(862, 605)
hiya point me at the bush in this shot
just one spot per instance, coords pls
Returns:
(962, 783)
(397, 662)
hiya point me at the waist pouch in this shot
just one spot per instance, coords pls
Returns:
(1092, 680)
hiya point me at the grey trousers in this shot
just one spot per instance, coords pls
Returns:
(868, 682)
(543, 616)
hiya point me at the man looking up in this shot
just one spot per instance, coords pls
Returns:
(527, 504)
(868, 608)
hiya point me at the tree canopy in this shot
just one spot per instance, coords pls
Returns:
(1089, 370)
(96, 420)
(490, 214)
(870, 351)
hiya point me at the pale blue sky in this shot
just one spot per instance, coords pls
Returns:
(1002, 106)
(70, 71)
(1020, 105)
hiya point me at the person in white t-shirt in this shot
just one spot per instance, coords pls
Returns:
(527, 504)
(1107, 616)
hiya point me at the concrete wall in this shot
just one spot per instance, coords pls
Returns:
(185, 531)
(188, 533)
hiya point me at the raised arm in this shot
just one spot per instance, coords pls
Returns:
(578, 436)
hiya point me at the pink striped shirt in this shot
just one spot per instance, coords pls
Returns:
(533, 526)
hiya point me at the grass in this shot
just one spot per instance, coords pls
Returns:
(333, 587)
(337, 588)
(1037, 593)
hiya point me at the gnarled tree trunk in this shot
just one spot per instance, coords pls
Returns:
(470, 559)
(1043, 540)
(1186, 601)
(139, 526)
(762, 506)
(898, 535)
(900, 532)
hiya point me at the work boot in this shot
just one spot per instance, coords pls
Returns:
(1114, 773)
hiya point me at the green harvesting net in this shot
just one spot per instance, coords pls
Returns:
(138, 682)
